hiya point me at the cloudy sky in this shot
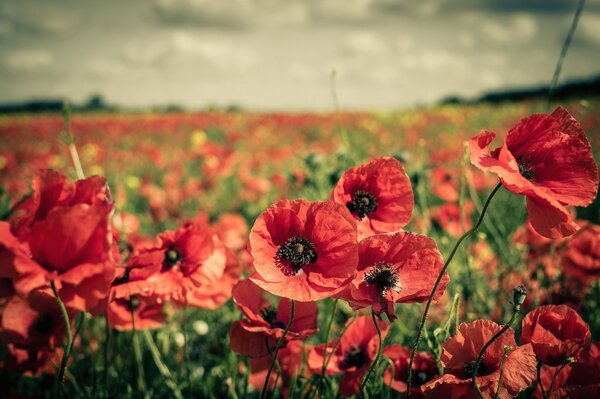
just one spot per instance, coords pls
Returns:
(279, 54)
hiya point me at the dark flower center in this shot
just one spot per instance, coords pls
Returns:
(469, 367)
(123, 279)
(133, 303)
(421, 378)
(383, 276)
(299, 251)
(269, 314)
(354, 357)
(526, 168)
(172, 257)
(362, 203)
(43, 324)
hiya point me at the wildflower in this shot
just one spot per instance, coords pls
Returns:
(548, 159)
(378, 195)
(304, 250)
(555, 332)
(394, 268)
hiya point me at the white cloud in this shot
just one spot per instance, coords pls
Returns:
(590, 27)
(106, 68)
(218, 52)
(29, 60)
(145, 53)
(364, 43)
(519, 28)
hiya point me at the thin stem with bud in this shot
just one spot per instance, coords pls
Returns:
(437, 283)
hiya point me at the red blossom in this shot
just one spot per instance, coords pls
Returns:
(460, 353)
(395, 268)
(263, 323)
(556, 332)
(378, 194)
(548, 159)
(304, 250)
(353, 355)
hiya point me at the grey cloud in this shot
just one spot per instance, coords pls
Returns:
(39, 17)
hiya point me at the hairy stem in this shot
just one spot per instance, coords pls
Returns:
(565, 48)
(69, 345)
(515, 312)
(263, 394)
(437, 283)
(377, 356)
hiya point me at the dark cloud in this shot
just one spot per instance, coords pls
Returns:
(279, 54)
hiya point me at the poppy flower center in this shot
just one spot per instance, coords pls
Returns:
(354, 357)
(133, 303)
(421, 378)
(299, 251)
(123, 279)
(469, 367)
(525, 168)
(172, 257)
(43, 324)
(269, 314)
(362, 204)
(383, 276)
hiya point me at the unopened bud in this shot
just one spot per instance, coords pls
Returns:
(519, 294)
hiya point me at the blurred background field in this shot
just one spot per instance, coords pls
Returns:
(166, 168)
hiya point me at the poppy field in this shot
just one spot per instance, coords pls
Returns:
(443, 252)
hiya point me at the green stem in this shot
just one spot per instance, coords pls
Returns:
(162, 368)
(327, 331)
(539, 379)
(137, 351)
(437, 283)
(565, 48)
(366, 379)
(328, 358)
(547, 394)
(15, 206)
(506, 350)
(106, 344)
(69, 345)
(393, 373)
(263, 394)
(515, 311)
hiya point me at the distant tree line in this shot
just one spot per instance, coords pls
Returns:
(583, 88)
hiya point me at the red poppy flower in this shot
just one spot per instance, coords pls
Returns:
(444, 183)
(233, 230)
(379, 196)
(215, 295)
(548, 159)
(353, 356)
(264, 324)
(572, 381)
(34, 323)
(145, 311)
(555, 332)
(459, 356)
(395, 268)
(447, 216)
(424, 369)
(181, 261)
(304, 250)
(32, 362)
(70, 247)
(51, 190)
(582, 255)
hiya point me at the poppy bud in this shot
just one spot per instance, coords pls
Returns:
(519, 294)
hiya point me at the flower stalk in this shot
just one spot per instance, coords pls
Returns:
(437, 283)
(263, 394)
(68, 347)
